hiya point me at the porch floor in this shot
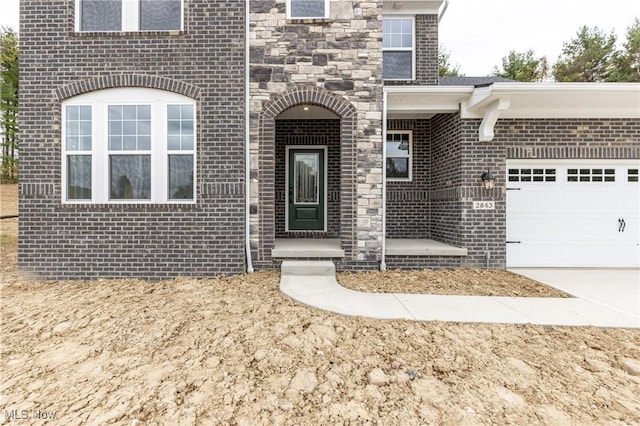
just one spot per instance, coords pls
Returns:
(304, 248)
(421, 247)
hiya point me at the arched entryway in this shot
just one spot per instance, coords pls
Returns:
(307, 137)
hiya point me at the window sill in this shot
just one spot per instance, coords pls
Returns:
(309, 20)
(128, 206)
(154, 33)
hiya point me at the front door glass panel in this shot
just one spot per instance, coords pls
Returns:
(306, 173)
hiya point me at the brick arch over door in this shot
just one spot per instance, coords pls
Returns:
(267, 163)
(127, 80)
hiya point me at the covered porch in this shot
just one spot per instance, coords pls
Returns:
(404, 250)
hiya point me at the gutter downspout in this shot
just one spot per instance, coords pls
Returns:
(383, 264)
(444, 9)
(247, 136)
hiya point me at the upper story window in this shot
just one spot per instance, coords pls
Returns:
(398, 54)
(129, 15)
(129, 145)
(398, 147)
(307, 9)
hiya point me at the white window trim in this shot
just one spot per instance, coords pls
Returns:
(404, 49)
(130, 18)
(326, 11)
(409, 155)
(100, 179)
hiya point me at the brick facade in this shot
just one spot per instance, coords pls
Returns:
(59, 241)
(334, 63)
(426, 47)
(484, 231)
(408, 205)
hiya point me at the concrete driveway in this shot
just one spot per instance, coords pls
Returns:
(615, 289)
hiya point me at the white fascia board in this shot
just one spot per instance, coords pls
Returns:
(442, 90)
(411, 7)
(557, 100)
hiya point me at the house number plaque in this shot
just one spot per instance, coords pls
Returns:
(484, 205)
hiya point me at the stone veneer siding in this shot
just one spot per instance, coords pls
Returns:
(335, 63)
(84, 241)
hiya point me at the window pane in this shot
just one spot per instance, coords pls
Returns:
(173, 112)
(397, 145)
(160, 15)
(173, 127)
(78, 128)
(407, 40)
(181, 177)
(129, 112)
(129, 128)
(134, 123)
(115, 112)
(79, 177)
(129, 143)
(397, 167)
(100, 15)
(397, 33)
(397, 65)
(173, 142)
(307, 8)
(180, 127)
(187, 127)
(144, 143)
(115, 143)
(396, 26)
(187, 142)
(85, 143)
(130, 177)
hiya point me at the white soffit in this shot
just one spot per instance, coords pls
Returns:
(557, 100)
(425, 101)
(411, 7)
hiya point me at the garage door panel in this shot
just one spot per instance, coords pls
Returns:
(574, 220)
(574, 254)
(569, 227)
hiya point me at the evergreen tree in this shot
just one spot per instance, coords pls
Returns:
(445, 68)
(589, 57)
(627, 61)
(9, 103)
(523, 67)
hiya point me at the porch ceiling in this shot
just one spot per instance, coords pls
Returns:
(425, 101)
(412, 7)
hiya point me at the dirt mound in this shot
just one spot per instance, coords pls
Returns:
(237, 351)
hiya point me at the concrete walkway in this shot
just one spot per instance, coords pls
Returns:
(603, 298)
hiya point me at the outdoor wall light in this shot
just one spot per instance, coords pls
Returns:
(488, 180)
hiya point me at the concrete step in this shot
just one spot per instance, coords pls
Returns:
(324, 268)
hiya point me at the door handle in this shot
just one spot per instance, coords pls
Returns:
(621, 225)
(290, 194)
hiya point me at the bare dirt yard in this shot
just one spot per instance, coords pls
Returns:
(234, 350)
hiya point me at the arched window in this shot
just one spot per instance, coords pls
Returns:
(133, 145)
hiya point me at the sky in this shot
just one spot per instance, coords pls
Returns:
(479, 33)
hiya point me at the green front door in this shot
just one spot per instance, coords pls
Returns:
(306, 189)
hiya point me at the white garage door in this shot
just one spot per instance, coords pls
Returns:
(573, 213)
